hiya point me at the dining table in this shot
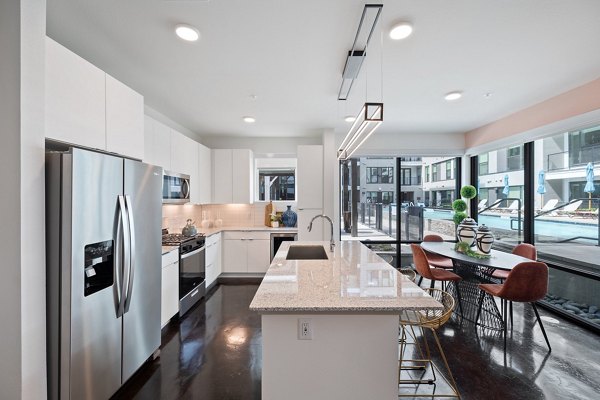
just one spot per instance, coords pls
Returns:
(473, 272)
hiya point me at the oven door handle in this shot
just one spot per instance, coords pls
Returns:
(186, 255)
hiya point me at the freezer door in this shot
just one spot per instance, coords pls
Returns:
(94, 182)
(141, 321)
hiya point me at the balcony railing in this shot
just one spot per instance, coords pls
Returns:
(412, 181)
(572, 159)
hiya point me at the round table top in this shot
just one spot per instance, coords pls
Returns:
(498, 259)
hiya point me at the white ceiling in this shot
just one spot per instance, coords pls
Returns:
(291, 54)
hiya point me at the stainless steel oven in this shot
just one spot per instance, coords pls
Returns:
(176, 188)
(192, 273)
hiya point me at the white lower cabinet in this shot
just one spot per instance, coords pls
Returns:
(170, 287)
(246, 252)
(213, 258)
(258, 255)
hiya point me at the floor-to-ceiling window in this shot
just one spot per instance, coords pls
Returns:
(395, 200)
(566, 221)
(501, 193)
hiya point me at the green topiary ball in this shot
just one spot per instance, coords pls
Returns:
(458, 217)
(459, 205)
(468, 192)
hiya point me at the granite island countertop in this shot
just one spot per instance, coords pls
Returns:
(211, 231)
(353, 279)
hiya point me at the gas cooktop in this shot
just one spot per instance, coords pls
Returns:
(176, 239)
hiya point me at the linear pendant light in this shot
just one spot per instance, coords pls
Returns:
(358, 52)
(368, 120)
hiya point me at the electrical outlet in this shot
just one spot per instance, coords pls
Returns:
(305, 329)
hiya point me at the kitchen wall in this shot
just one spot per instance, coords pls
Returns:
(233, 215)
(22, 238)
(573, 109)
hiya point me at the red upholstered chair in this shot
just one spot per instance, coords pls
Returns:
(434, 274)
(526, 283)
(435, 260)
(524, 250)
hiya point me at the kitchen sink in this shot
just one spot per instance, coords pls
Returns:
(306, 253)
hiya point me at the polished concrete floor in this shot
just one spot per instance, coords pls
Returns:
(214, 353)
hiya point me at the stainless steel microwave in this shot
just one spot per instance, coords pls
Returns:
(176, 188)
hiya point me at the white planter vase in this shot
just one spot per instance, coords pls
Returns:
(467, 231)
(485, 239)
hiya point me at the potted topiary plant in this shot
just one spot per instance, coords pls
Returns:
(466, 230)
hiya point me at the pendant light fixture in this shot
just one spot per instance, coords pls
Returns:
(367, 121)
(371, 115)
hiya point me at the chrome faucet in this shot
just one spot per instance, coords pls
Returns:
(331, 242)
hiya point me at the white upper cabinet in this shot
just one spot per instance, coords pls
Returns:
(87, 107)
(232, 176)
(184, 154)
(124, 119)
(222, 176)
(204, 181)
(309, 175)
(157, 143)
(242, 179)
(75, 98)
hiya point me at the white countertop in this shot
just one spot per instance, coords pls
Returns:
(353, 280)
(168, 249)
(212, 231)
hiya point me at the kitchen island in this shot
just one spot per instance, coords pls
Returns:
(330, 326)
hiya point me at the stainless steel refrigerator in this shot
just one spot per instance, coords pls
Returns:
(103, 271)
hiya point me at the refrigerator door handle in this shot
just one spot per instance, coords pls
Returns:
(125, 260)
(118, 259)
(131, 251)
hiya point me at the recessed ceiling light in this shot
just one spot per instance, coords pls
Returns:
(349, 118)
(487, 95)
(453, 96)
(249, 120)
(401, 31)
(187, 32)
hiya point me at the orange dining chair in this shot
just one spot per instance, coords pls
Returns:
(435, 260)
(434, 274)
(527, 282)
(524, 250)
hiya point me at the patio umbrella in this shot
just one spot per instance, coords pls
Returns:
(589, 182)
(541, 189)
(506, 189)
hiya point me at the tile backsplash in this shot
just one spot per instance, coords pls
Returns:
(175, 216)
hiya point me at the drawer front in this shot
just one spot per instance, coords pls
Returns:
(245, 235)
(212, 239)
(170, 258)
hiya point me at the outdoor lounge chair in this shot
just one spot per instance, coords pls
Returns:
(569, 209)
(550, 204)
(481, 204)
(514, 206)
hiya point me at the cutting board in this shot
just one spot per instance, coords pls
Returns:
(268, 212)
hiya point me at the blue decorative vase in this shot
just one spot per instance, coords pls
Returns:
(289, 218)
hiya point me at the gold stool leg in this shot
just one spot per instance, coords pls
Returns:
(452, 381)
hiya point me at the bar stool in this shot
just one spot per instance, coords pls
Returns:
(434, 274)
(526, 283)
(524, 250)
(431, 320)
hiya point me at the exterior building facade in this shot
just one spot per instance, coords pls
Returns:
(439, 181)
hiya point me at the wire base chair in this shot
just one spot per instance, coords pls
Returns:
(424, 320)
